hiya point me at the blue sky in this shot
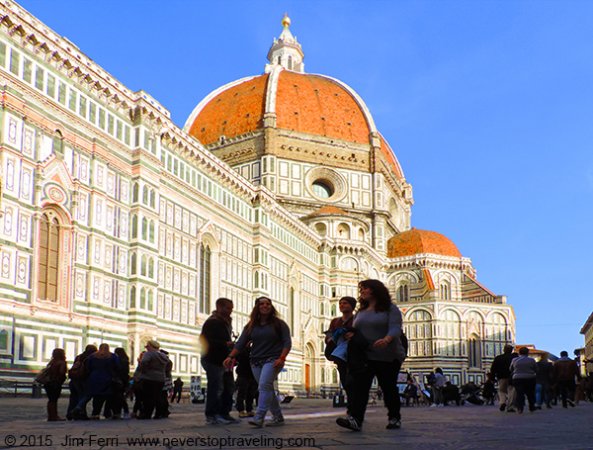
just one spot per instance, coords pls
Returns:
(488, 106)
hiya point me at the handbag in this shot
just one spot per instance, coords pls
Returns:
(329, 349)
(44, 376)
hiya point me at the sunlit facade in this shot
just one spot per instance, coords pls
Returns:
(119, 226)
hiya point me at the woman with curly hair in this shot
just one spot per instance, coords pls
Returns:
(271, 344)
(379, 325)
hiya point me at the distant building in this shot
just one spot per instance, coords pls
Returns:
(118, 226)
(587, 331)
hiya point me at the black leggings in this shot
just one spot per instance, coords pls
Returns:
(53, 391)
(360, 384)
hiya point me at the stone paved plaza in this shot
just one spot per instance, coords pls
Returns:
(465, 427)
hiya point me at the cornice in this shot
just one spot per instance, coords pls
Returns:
(67, 58)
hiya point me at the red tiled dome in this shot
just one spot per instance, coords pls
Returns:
(414, 242)
(232, 112)
(306, 103)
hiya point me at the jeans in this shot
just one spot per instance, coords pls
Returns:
(265, 376)
(542, 394)
(220, 387)
(386, 373)
(76, 392)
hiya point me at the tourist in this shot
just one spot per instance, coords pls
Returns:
(52, 377)
(77, 384)
(121, 382)
(271, 343)
(523, 373)
(246, 383)
(543, 382)
(411, 392)
(488, 390)
(566, 371)
(151, 377)
(335, 335)
(162, 405)
(501, 371)
(177, 390)
(379, 324)
(217, 342)
(438, 384)
(101, 367)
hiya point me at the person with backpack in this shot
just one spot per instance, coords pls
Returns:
(379, 324)
(77, 384)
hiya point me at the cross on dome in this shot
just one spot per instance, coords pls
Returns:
(286, 50)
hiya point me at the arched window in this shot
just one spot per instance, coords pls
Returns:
(134, 226)
(205, 278)
(143, 298)
(133, 297)
(343, 231)
(445, 290)
(48, 266)
(403, 293)
(475, 353)
(58, 143)
(151, 268)
(135, 193)
(451, 333)
(144, 229)
(334, 312)
(289, 62)
(3, 340)
(151, 231)
(133, 262)
(152, 198)
(150, 303)
(143, 266)
(145, 195)
(419, 331)
(291, 312)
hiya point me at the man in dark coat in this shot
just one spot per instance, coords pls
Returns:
(216, 339)
(501, 371)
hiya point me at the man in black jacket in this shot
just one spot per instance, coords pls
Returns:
(217, 343)
(501, 371)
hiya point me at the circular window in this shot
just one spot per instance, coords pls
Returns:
(323, 189)
(327, 184)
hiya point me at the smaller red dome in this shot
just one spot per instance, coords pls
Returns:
(414, 242)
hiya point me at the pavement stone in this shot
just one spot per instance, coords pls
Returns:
(310, 423)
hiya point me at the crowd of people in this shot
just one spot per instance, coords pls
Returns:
(102, 378)
(365, 342)
(520, 377)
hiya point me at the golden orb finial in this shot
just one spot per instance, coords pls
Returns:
(286, 21)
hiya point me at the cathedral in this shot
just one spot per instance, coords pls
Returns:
(118, 226)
